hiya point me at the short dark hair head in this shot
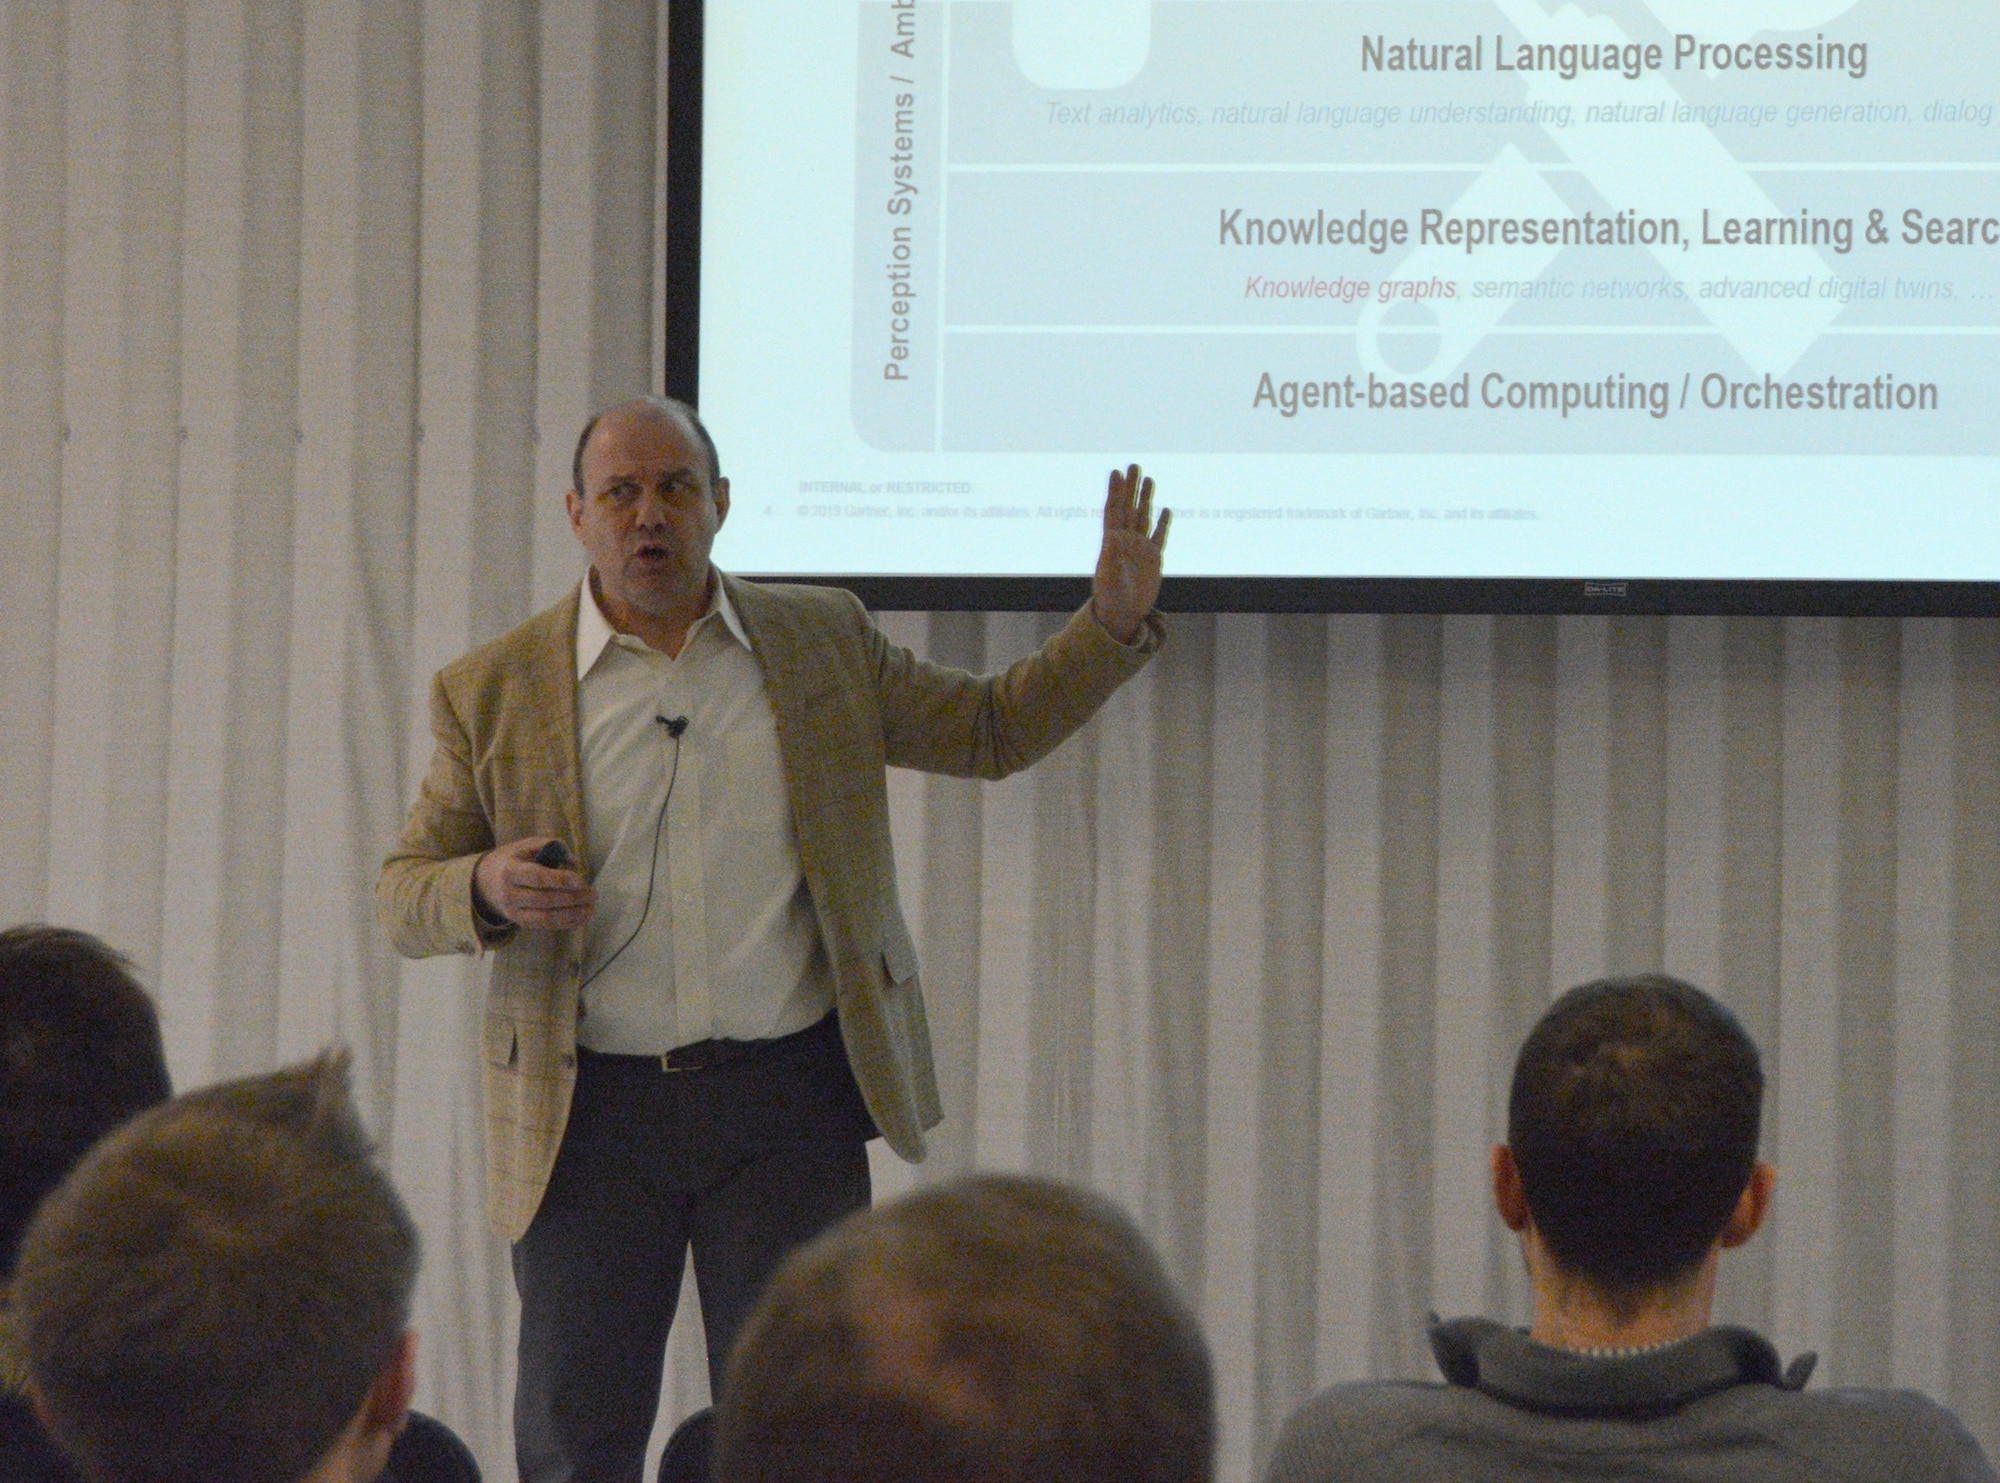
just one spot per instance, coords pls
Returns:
(1633, 1121)
(992, 1330)
(665, 406)
(79, 1054)
(216, 1287)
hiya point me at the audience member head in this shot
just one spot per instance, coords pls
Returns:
(79, 1054)
(221, 1290)
(992, 1330)
(687, 1455)
(1632, 1124)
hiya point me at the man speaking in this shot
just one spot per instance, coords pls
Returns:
(661, 803)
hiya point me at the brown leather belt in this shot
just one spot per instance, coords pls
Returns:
(706, 1055)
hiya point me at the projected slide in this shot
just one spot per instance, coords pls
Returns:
(1470, 287)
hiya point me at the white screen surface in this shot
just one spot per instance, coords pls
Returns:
(959, 259)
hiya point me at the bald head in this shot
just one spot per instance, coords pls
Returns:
(646, 506)
(986, 1331)
(670, 410)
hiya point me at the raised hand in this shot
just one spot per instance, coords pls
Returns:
(1128, 563)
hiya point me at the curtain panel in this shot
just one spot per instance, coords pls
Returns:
(301, 306)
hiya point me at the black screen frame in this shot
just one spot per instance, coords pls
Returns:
(1247, 594)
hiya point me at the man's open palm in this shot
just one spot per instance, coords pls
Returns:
(1128, 563)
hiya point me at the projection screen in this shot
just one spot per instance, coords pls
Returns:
(1675, 302)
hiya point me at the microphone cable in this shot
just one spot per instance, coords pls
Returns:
(675, 727)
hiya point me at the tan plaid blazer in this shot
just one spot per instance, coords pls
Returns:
(848, 703)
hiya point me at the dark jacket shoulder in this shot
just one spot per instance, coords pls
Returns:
(1715, 1406)
(1862, 1432)
(1752, 1433)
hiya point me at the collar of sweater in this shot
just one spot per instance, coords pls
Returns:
(1509, 1366)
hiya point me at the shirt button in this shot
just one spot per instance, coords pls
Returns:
(569, 1058)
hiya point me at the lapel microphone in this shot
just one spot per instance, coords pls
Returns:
(675, 725)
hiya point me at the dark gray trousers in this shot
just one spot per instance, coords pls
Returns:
(741, 1162)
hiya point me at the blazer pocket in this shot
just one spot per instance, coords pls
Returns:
(502, 1044)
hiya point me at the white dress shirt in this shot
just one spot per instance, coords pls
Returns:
(729, 947)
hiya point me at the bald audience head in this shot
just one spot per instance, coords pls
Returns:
(992, 1330)
(221, 1290)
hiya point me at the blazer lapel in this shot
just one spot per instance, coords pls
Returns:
(757, 618)
(775, 646)
(775, 642)
(549, 721)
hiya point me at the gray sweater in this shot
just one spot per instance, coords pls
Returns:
(1715, 1406)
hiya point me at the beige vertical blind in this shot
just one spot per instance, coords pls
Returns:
(301, 305)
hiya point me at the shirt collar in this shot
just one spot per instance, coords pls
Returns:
(727, 610)
(594, 630)
(1509, 1366)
